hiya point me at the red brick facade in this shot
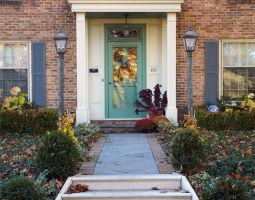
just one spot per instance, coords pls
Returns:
(213, 20)
(40, 19)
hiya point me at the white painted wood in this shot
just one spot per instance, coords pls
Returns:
(64, 188)
(153, 55)
(125, 6)
(135, 187)
(103, 183)
(171, 111)
(96, 80)
(163, 56)
(82, 112)
(186, 186)
(129, 195)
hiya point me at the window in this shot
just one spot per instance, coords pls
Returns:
(238, 60)
(14, 66)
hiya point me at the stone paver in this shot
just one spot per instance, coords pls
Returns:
(126, 154)
(88, 167)
(159, 155)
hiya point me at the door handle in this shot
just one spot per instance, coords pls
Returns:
(110, 83)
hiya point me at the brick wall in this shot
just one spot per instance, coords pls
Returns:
(40, 21)
(212, 19)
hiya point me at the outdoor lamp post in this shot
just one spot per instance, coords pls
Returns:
(190, 41)
(60, 44)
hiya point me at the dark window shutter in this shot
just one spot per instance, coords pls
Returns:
(38, 73)
(211, 71)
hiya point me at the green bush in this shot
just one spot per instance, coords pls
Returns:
(166, 128)
(20, 188)
(28, 121)
(58, 154)
(188, 149)
(235, 164)
(236, 120)
(86, 133)
(228, 189)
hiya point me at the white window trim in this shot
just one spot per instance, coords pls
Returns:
(221, 42)
(29, 68)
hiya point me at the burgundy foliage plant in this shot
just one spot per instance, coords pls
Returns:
(152, 102)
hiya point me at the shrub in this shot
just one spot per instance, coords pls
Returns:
(28, 121)
(58, 154)
(152, 102)
(235, 120)
(166, 127)
(160, 118)
(145, 126)
(86, 133)
(228, 189)
(188, 149)
(20, 188)
(16, 101)
(235, 164)
(65, 124)
(49, 188)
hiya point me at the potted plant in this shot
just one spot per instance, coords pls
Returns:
(154, 103)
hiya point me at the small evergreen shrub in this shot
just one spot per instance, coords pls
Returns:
(235, 120)
(239, 165)
(188, 149)
(228, 189)
(86, 133)
(145, 126)
(28, 121)
(20, 188)
(58, 154)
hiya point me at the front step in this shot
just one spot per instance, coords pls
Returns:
(130, 195)
(130, 187)
(116, 126)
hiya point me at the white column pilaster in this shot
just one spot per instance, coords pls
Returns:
(82, 112)
(171, 111)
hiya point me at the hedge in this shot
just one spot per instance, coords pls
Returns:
(28, 121)
(234, 121)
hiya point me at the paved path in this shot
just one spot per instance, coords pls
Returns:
(126, 154)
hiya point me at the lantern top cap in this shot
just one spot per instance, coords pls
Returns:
(60, 35)
(190, 32)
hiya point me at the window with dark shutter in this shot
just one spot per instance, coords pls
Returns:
(212, 71)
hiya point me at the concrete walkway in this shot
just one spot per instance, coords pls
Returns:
(126, 154)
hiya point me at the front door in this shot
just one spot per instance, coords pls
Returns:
(125, 75)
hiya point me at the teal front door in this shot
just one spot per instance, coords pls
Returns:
(125, 76)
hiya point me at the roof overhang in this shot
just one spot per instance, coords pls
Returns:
(125, 5)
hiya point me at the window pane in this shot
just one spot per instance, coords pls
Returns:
(13, 77)
(14, 55)
(243, 54)
(1, 55)
(251, 54)
(226, 54)
(238, 69)
(234, 54)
